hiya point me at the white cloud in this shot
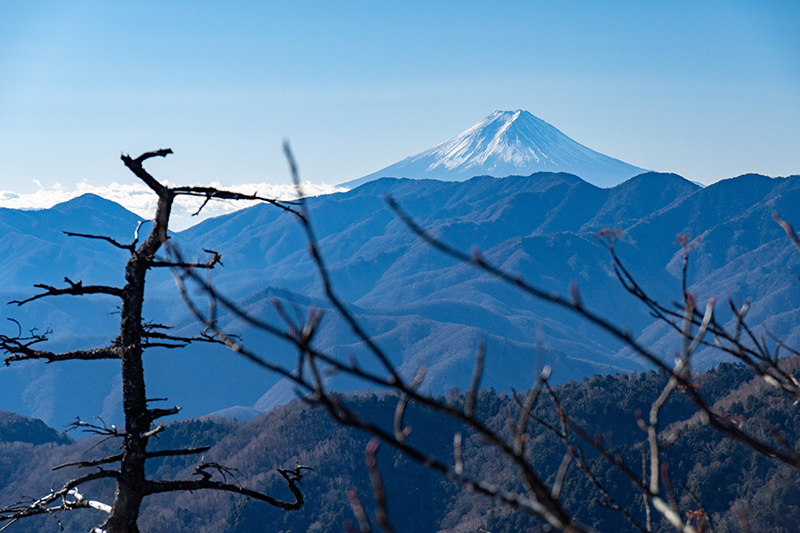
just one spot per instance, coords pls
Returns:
(138, 198)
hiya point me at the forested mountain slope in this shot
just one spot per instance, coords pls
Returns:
(730, 480)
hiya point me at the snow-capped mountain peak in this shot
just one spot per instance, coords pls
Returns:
(500, 136)
(508, 143)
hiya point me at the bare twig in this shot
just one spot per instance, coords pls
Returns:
(378, 493)
(472, 392)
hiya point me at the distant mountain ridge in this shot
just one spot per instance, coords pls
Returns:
(420, 306)
(508, 143)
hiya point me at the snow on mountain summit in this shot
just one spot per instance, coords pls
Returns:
(508, 143)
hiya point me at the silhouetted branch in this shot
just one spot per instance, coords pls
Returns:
(21, 352)
(325, 277)
(74, 289)
(97, 429)
(293, 478)
(216, 259)
(135, 166)
(129, 247)
(181, 340)
(211, 193)
(88, 464)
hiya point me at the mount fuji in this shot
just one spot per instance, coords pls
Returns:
(508, 143)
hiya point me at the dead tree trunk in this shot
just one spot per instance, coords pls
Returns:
(131, 488)
(132, 485)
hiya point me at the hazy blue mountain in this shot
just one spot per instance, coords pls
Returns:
(422, 307)
(35, 250)
(503, 144)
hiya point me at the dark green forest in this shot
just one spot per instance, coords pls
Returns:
(737, 488)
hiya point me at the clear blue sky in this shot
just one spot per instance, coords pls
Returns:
(705, 89)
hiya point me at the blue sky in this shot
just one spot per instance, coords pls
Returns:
(706, 89)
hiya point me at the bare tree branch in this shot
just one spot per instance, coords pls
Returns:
(211, 263)
(211, 193)
(43, 505)
(74, 289)
(292, 477)
(378, 492)
(128, 247)
(23, 353)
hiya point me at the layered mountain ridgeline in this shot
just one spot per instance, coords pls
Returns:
(421, 307)
(428, 311)
(729, 479)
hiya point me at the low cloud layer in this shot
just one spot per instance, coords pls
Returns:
(137, 198)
